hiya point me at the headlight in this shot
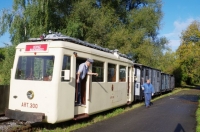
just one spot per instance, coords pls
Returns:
(30, 94)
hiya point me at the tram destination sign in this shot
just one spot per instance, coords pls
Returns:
(37, 48)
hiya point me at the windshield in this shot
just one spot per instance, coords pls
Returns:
(35, 68)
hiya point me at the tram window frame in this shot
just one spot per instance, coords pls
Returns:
(135, 71)
(122, 79)
(158, 74)
(142, 73)
(35, 68)
(112, 77)
(65, 67)
(147, 72)
(98, 67)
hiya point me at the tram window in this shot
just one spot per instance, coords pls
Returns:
(38, 68)
(122, 73)
(147, 72)
(98, 67)
(65, 66)
(111, 72)
(135, 71)
(142, 72)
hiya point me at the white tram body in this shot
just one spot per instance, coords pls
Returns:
(43, 81)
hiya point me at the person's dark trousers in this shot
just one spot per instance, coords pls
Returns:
(147, 99)
(79, 93)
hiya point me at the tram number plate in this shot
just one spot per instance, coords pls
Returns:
(29, 105)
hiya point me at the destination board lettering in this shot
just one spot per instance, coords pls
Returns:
(36, 48)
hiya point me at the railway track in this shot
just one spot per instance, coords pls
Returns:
(10, 125)
(4, 119)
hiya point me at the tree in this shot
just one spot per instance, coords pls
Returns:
(28, 18)
(2, 56)
(5, 66)
(188, 53)
(107, 23)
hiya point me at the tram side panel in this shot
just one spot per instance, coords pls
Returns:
(167, 82)
(107, 90)
(172, 82)
(108, 94)
(145, 74)
(162, 82)
(154, 75)
(156, 80)
(137, 82)
(131, 83)
(66, 87)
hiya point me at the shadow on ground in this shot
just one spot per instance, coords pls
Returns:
(179, 128)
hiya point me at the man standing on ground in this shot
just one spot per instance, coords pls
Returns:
(148, 92)
(81, 74)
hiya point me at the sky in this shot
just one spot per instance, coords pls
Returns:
(178, 15)
(5, 5)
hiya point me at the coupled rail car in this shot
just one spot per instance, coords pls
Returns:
(162, 82)
(142, 73)
(43, 80)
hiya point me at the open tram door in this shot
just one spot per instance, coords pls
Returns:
(81, 111)
(83, 83)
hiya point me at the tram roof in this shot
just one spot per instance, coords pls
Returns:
(59, 37)
(141, 65)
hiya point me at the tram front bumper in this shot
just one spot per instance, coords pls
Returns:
(24, 116)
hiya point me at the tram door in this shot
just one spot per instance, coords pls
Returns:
(129, 77)
(137, 81)
(83, 82)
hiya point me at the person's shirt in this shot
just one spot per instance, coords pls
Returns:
(148, 88)
(83, 69)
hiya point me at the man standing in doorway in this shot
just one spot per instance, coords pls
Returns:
(81, 74)
(148, 92)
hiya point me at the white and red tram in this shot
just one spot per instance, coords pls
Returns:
(43, 80)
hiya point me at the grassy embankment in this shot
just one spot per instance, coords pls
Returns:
(73, 125)
(198, 117)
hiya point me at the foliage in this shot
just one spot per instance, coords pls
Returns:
(5, 67)
(131, 27)
(188, 54)
(2, 56)
(168, 62)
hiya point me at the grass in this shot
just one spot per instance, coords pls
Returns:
(198, 117)
(73, 125)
